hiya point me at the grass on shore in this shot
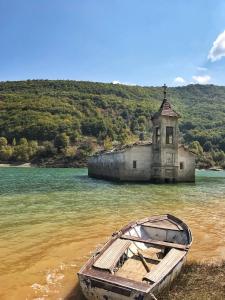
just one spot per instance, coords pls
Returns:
(198, 282)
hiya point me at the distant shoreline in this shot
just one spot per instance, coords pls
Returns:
(25, 165)
(66, 165)
(44, 165)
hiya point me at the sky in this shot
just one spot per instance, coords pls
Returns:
(135, 42)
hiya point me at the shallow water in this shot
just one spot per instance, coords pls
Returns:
(52, 219)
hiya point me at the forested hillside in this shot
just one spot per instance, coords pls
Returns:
(62, 122)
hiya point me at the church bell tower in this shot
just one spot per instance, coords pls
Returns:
(165, 142)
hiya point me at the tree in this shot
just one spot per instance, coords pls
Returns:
(74, 136)
(23, 141)
(3, 142)
(196, 147)
(222, 144)
(107, 143)
(21, 153)
(208, 146)
(32, 148)
(47, 149)
(87, 147)
(62, 141)
(93, 127)
(6, 153)
(219, 156)
(123, 137)
(70, 152)
(141, 136)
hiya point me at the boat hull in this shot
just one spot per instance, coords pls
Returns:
(96, 289)
(167, 280)
(98, 279)
(93, 290)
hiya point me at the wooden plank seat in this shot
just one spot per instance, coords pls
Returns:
(110, 257)
(155, 242)
(166, 264)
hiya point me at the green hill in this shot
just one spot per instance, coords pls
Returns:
(50, 120)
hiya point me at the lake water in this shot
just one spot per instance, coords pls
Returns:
(52, 219)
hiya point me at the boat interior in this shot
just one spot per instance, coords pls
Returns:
(147, 251)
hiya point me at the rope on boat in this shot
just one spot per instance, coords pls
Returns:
(153, 296)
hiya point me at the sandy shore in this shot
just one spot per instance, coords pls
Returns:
(26, 165)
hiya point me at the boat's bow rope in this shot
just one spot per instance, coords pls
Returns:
(153, 296)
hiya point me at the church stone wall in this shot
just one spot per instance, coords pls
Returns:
(131, 164)
(186, 165)
(137, 165)
(106, 165)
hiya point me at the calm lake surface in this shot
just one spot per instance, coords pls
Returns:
(52, 219)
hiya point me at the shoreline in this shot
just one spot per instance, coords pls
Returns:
(73, 165)
(43, 165)
(25, 165)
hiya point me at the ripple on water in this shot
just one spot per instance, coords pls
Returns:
(53, 219)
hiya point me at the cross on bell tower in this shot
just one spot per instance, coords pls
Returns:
(164, 91)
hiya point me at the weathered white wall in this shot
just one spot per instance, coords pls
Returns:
(106, 165)
(119, 165)
(187, 174)
(142, 154)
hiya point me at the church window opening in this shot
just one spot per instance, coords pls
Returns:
(157, 135)
(134, 164)
(181, 165)
(169, 135)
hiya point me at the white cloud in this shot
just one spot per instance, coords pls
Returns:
(124, 83)
(202, 79)
(218, 49)
(202, 69)
(179, 80)
(116, 82)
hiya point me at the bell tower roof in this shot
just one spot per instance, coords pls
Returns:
(165, 108)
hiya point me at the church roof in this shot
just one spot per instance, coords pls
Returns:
(124, 147)
(186, 148)
(166, 108)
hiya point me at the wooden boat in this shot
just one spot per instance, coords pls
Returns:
(138, 261)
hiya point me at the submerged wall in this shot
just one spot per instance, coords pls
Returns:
(130, 164)
(186, 165)
(135, 164)
(106, 165)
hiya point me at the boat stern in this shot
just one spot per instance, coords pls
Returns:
(94, 289)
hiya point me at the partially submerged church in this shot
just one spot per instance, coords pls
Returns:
(162, 160)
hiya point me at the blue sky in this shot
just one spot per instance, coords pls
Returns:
(141, 42)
